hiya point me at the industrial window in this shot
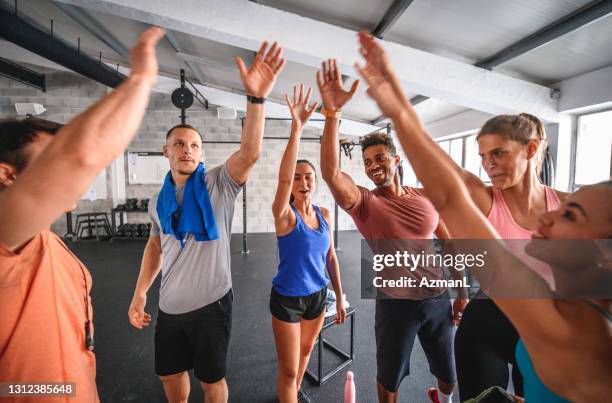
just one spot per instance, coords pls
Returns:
(593, 149)
(464, 151)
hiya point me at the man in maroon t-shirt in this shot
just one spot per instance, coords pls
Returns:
(391, 212)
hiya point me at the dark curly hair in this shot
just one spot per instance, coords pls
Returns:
(376, 139)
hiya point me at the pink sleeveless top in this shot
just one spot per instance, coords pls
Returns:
(504, 223)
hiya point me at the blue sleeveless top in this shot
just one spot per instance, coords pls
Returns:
(303, 255)
(534, 389)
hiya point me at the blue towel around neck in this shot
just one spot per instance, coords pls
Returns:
(196, 215)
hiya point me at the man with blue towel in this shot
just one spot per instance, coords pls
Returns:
(190, 243)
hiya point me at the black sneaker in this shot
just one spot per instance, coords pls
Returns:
(302, 397)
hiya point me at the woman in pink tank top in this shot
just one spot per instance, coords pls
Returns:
(511, 148)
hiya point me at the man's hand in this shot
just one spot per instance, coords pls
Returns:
(138, 317)
(300, 112)
(458, 308)
(331, 88)
(259, 80)
(143, 60)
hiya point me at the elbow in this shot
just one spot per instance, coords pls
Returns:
(85, 153)
(84, 159)
(253, 157)
(440, 202)
(250, 155)
(329, 173)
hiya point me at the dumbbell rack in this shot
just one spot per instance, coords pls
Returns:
(114, 213)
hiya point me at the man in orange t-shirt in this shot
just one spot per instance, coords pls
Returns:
(46, 329)
(45, 310)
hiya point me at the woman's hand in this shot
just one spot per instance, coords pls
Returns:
(331, 88)
(300, 112)
(340, 310)
(384, 86)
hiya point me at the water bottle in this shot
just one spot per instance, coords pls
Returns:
(349, 388)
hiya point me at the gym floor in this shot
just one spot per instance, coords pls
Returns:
(125, 356)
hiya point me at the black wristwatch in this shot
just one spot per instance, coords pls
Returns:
(255, 100)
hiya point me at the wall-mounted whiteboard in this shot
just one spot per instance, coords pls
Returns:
(98, 189)
(147, 168)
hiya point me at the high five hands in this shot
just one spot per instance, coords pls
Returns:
(383, 85)
(329, 80)
(143, 59)
(259, 79)
(300, 112)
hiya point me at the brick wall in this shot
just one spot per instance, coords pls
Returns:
(69, 94)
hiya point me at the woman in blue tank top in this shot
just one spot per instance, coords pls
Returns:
(307, 260)
(565, 352)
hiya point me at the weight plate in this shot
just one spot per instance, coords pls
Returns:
(182, 98)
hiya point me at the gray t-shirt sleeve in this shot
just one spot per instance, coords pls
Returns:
(155, 230)
(220, 177)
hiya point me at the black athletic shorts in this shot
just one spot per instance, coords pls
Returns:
(294, 309)
(195, 340)
(397, 322)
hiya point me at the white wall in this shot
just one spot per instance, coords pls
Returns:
(69, 94)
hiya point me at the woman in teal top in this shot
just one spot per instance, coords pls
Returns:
(569, 342)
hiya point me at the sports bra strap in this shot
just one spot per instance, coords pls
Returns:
(600, 309)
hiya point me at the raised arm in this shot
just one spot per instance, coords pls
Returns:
(300, 113)
(258, 81)
(334, 98)
(80, 150)
(443, 185)
(448, 193)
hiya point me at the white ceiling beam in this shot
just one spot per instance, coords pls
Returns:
(236, 99)
(216, 95)
(204, 62)
(307, 41)
(193, 68)
(464, 122)
(586, 92)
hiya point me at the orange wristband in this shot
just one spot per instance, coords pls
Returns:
(331, 114)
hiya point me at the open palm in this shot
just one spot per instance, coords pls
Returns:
(300, 112)
(383, 84)
(333, 94)
(259, 79)
(143, 59)
(375, 55)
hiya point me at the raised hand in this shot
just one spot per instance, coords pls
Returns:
(374, 54)
(143, 59)
(383, 85)
(333, 94)
(259, 80)
(300, 112)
